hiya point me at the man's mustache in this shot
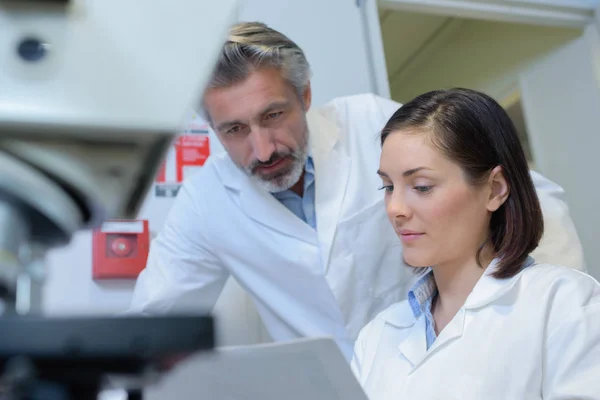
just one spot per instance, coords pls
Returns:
(273, 159)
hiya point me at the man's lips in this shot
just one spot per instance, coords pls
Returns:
(270, 167)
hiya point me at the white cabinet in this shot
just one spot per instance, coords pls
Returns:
(561, 100)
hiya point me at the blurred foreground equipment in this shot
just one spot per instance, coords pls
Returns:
(92, 93)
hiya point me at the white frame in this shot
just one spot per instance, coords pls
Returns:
(375, 51)
(563, 13)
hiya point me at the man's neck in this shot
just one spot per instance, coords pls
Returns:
(298, 188)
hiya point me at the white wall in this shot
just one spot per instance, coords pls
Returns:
(330, 33)
(332, 36)
(482, 55)
(70, 288)
(561, 99)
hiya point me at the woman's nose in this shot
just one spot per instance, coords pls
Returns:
(397, 206)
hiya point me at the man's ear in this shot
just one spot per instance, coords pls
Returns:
(307, 97)
(499, 189)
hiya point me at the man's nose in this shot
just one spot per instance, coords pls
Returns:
(263, 145)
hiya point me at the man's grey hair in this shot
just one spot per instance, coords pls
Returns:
(254, 45)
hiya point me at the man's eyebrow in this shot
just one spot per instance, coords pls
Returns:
(275, 105)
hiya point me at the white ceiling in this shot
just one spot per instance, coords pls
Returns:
(405, 34)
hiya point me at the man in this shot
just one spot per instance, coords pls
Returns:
(292, 209)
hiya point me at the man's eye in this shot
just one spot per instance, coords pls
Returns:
(233, 130)
(273, 115)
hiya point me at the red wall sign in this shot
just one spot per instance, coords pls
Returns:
(190, 151)
(120, 249)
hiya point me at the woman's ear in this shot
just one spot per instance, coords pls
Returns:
(499, 189)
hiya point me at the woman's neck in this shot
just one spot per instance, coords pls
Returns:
(455, 281)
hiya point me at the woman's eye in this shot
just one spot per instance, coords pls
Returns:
(387, 188)
(423, 189)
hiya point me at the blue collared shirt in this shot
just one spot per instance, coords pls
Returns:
(302, 207)
(420, 298)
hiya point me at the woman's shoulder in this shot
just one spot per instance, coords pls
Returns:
(542, 272)
(555, 281)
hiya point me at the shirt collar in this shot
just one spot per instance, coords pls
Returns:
(485, 291)
(309, 169)
(421, 293)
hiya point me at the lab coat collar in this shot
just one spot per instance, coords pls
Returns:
(331, 176)
(485, 291)
(332, 170)
(400, 315)
(414, 347)
(489, 289)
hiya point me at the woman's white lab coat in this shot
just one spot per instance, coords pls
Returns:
(304, 283)
(534, 336)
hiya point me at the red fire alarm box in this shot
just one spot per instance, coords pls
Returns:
(120, 249)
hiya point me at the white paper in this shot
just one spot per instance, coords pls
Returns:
(307, 369)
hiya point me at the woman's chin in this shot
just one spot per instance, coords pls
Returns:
(416, 262)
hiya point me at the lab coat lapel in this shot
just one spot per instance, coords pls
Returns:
(262, 206)
(453, 330)
(487, 290)
(331, 178)
(414, 347)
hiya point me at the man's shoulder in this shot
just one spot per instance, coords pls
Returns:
(363, 103)
(360, 117)
(209, 179)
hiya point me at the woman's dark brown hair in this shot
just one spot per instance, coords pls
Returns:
(474, 131)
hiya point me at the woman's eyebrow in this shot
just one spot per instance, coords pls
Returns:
(413, 171)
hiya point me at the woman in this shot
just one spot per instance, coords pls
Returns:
(484, 320)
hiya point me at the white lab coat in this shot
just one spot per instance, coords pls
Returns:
(304, 283)
(534, 336)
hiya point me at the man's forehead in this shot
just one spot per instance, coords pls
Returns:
(248, 98)
(243, 109)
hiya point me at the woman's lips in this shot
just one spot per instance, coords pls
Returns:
(410, 236)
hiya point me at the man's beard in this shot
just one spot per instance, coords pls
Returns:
(283, 179)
